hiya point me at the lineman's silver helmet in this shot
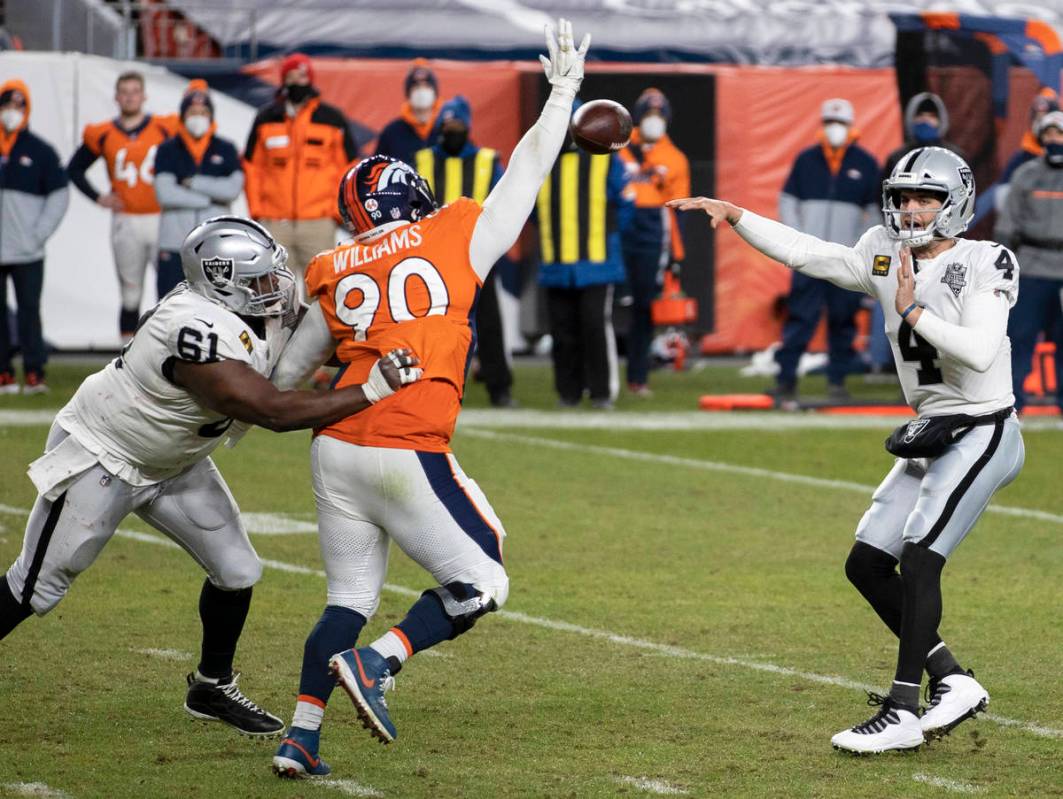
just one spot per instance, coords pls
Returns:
(929, 169)
(236, 262)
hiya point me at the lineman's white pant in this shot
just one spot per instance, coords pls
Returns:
(194, 508)
(423, 501)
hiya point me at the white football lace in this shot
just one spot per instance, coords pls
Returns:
(233, 692)
(387, 683)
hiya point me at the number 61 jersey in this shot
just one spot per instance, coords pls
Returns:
(935, 384)
(411, 286)
(142, 426)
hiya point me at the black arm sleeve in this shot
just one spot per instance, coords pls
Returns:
(79, 164)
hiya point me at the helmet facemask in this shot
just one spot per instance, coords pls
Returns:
(270, 293)
(905, 226)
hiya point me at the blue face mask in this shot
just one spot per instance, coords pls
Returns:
(1054, 155)
(925, 132)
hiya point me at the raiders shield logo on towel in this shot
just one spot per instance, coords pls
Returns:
(954, 277)
(914, 428)
(219, 271)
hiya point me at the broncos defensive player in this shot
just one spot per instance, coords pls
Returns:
(410, 279)
(946, 303)
(137, 435)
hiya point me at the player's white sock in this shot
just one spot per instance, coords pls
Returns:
(309, 713)
(199, 677)
(392, 644)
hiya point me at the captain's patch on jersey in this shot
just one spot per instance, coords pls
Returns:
(955, 277)
(246, 341)
(880, 267)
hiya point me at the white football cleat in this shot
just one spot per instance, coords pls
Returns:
(953, 699)
(893, 727)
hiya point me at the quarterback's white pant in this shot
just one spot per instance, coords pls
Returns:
(936, 501)
(421, 500)
(134, 239)
(194, 508)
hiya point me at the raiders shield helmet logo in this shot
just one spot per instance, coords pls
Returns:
(218, 271)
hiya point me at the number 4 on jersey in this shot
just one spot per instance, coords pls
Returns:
(1005, 263)
(915, 348)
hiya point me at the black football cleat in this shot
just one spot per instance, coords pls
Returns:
(224, 702)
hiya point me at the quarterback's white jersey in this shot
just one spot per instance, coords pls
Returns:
(935, 383)
(143, 427)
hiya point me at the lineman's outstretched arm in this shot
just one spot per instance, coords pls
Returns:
(837, 263)
(509, 204)
(236, 390)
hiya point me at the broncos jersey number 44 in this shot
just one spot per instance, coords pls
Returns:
(358, 296)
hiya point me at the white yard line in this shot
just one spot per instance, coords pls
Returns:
(348, 788)
(277, 524)
(27, 418)
(659, 787)
(949, 785)
(728, 468)
(629, 420)
(38, 789)
(164, 654)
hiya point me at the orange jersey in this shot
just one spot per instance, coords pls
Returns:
(130, 157)
(413, 287)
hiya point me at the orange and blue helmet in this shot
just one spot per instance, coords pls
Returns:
(378, 190)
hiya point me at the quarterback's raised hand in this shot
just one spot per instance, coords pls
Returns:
(391, 373)
(905, 297)
(564, 66)
(718, 210)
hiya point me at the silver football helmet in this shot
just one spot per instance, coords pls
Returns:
(929, 169)
(236, 262)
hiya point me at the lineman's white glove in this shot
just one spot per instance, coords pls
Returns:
(391, 373)
(564, 67)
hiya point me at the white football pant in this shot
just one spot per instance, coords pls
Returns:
(936, 501)
(194, 508)
(421, 500)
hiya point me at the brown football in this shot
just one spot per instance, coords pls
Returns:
(601, 126)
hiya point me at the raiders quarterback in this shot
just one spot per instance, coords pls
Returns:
(946, 303)
(137, 435)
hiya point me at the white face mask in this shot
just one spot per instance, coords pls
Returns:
(652, 128)
(11, 119)
(197, 125)
(422, 98)
(836, 133)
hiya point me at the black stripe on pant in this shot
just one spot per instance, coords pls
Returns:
(964, 485)
(43, 540)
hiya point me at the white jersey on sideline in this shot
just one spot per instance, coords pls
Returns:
(142, 427)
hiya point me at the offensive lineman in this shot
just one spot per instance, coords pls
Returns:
(409, 280)
(137, 435)
(946, 318)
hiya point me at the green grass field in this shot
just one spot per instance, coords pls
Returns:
(678, 624)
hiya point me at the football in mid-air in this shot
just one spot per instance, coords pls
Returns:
(601, 126)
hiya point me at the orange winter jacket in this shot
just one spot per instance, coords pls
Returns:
(294, 164)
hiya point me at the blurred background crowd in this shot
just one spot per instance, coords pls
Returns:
(124, 124)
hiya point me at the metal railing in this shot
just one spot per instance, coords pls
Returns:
(122, 28)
